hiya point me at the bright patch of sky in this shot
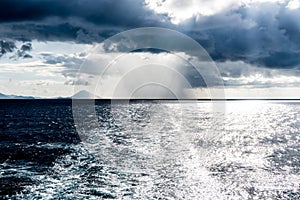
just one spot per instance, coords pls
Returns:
(43, 74)
(294, 4)
(179, 10)
(51, 72)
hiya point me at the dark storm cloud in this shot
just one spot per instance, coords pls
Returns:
(262, 34)
(79, 20)
(125, 12)
(265, 34)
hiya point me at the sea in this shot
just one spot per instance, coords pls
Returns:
(150, 150)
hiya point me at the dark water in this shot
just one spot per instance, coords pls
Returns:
(150, 150)
(33, 134)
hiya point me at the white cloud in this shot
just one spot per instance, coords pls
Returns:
(294, 4)
(242, 75)
(180, 11)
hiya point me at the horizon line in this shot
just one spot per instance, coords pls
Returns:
(153, 99)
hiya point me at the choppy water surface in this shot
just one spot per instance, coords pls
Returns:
(151, 150)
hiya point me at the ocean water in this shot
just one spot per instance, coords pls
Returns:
(150, 150)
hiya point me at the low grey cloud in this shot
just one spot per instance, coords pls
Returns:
(6, 47)
(23, 52)
(76, 82)
(65, 60)
(9, 47)
(238, 73)
(70, 64)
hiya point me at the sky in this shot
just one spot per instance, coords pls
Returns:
(255, 44)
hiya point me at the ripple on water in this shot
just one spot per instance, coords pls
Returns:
(163, 150)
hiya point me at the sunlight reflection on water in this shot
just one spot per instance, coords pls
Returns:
(164, 150)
